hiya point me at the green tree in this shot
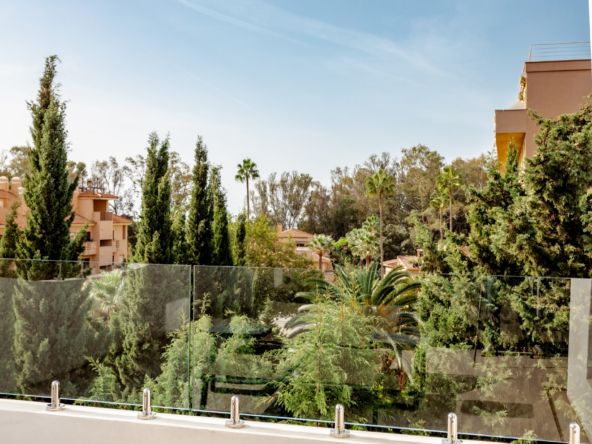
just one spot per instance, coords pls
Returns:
(221, 249)
(246, 171)
(180, 247)
(558, 179)
(284, 199)
(153, 244)
(363, 241)
(263, 249)
(48, 190)
(381, 184)
(10, 238)
(439, 201)
(7, 288)
(494, 227)
(184, 376)
(448, 181)
(321, 244)
(51, 328)
(328, 361)
(389, 301)
(199, 223)
(240, 239)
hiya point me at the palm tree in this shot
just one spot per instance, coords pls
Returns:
(448, 181)
(106, 292)
(439, 201)
(380, 184)
(246, 171)
(363, 241)
(321, 244)
(389, 300)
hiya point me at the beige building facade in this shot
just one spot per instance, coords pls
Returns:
(548, 87)
(302, 240)
(107, 233)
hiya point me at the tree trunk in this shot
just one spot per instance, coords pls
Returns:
(320, 253)
(450, 211)
(440, 224)
(381, 238)
(248, 198)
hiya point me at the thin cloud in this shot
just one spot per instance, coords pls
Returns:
(272, 21)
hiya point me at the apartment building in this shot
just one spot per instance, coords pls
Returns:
(555, 80)
(107, 233)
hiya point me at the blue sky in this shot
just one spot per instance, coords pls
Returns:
(303, 85)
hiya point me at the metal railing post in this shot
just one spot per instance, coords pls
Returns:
(234, 422)
(339, 431)
(146, 412)
(452, 435)
(574, 433)
(55, 404)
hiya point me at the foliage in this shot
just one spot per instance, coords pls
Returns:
(329, 361)
(247, 171)
(447, 182)
(263, 249)
(187, 362)
(363, 241)
(389, 301)
(240, 238)
(321, 244)
(283, 199)
(221, 248)
(153, 243)
(381, 184)
(9, 241)
(142, 319)
(50, 316)
(48, 189)
(236, 356)
(494, 226)
(199, 223)
(180, 248)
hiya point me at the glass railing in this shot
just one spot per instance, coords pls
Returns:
(102, 335)
(511, 356)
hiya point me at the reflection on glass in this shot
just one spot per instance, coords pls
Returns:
(510, 356)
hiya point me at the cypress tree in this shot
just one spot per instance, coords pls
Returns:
(180, 255)
(199, 226)
(558, 180)
(221, 251)
(7, 287)
(51, 327)
(149, 288)
(240, 238)
(9, 240)
(495, 224)
(154, 240)
(48, 190)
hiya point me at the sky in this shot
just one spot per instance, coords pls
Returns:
(306, 85)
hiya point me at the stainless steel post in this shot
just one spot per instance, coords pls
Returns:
(54, 404)
(452, 436)
(339, 430)
(574, 433)
(146, 412)
(234, 422)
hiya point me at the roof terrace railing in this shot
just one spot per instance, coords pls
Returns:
(559, 51)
